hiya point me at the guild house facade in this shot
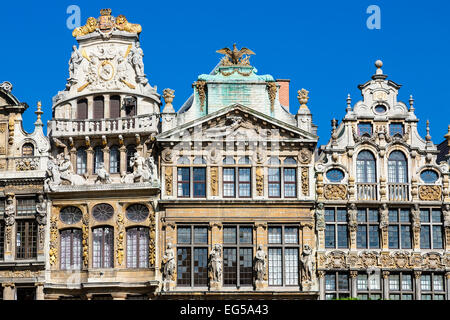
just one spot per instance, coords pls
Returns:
(226, 195)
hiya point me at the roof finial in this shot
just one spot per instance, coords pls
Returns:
(349, 103)
(302, 96)
(428, 137)
(39, 112)
(379, 73)
(411, 103)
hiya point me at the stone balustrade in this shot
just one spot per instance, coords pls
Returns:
(398, 191)
(367, 191)
(67, 127)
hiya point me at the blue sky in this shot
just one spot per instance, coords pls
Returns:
(323, 46)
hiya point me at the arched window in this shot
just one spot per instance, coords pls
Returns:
(81, 160)
(99, 107)
(114, 107)
(397, 168)
(244, 160)
(228, 160)
(98, 158)
(82, 109)
(137, 247)
(183, 160)
(71, 249)
(103, 249)
(199, 160)
(114, 159)
(28, 150)
(131, 150)
(365, 167)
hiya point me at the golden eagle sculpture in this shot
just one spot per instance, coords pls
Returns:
(235, 55)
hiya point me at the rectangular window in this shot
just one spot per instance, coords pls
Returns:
(274, 182)
(399, 231)
(244, 182)
(364, 128)
(367, 231)
(336, 285)
(103, 247)
(401, 286)
(26, 239)
(336, 231)
(396, 128)
(26, 207)
(290, 182)
(137, 247)
(229, 182)
(283, 256)
(238, 255)
(192, 256)
(71, 249)
(432, 286)
(183, 182)
(369, 286)
(199, 182)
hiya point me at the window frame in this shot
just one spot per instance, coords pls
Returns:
(370, 292)
(402, 292)
(433, 292)
(335, 223)
(73, 263)
(138, 230)
(367, 223)
(431, 225)
(103, 245)
(337, 292)
(400, 225)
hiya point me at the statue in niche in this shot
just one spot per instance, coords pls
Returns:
(41, 210)
(307, 263)
(320, 217)
(169, 263)
(215, 264)
(384, 216)
(260, 263)
(446, 213)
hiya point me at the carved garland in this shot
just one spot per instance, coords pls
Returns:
(169, 181)
(259, 181)
(305, 181)
(53, 251)
(85, 239)
(120, 238)
(214, 181)
(201, 89)
(152, 242)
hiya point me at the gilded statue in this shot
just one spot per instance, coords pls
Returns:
(90, 26)
(235, 56)
(123, 25)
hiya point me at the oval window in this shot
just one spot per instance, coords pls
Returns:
(137, 212)
(335, 175)
(380, 108)
(429, 176)
(103, 212)
(70, 215)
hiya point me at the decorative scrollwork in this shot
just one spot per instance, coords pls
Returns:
(335, 192)
(430, 193)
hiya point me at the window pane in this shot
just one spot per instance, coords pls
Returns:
(436, 215)
(228, 182)
(244, 182)
(341, 215)
(407, 282)
(290, 182)
(184, 266)
(26, 207)
(200, 266)
(361, 237)
(229, 235)
(404, 215)
(373, 215)
(201, 235)
(394, 282)
(245, 266)
(374, 239)
(406, 237)
(425, 237)
(199, 182)
(184, 234)
(374, 282)
(274, 182)
(329, 215)
(393, 215)
(330, 236)
(229, 266)
(290, 235)
(245, 235)
(393, 237)
(362, 283)
(291, 266)
(275, 235)
(425, 282)
(343, 282)
(362, 215)
(438, 237)
(183, 182)
(342, 236)
(330, 282)
(114, 160)
(424, 215)
(438, 282)
(275, 271)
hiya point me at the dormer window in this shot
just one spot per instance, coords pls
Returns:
(396, 129)
(365, 129)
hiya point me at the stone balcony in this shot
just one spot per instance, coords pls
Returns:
(99, 127)
(398, 191)
(367, 191)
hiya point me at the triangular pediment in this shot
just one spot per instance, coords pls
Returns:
(237, 122)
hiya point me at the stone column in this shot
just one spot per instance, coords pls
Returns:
(90, 107)
(73, 158)
(106, 107)
(106, 158)
(353, 283)
(386, 284)
(260, 230)
(40, 291)
(90, 161)
(417, 275)
(123, 159)
(321, 285)
(216, 238)
(9, 290)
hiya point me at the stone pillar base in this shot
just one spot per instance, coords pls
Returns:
(260, 285)
(215, 286)
(168, 285)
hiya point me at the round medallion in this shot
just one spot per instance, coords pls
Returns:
(70, 215)
(137, 212)
(106, 70)
(103, 212)
(335, 175)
